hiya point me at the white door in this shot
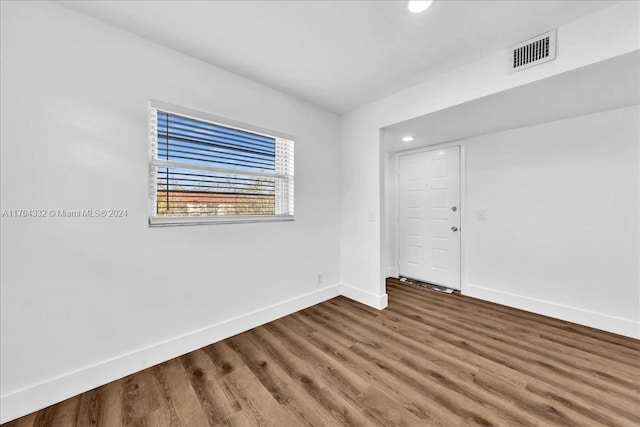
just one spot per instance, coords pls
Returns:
(429, 216)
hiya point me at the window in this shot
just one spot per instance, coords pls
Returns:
(207, 170)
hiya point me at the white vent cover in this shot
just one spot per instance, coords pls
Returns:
(532, 52)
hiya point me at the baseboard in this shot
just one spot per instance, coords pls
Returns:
(366, 298)
(601, 321)
(55, 390)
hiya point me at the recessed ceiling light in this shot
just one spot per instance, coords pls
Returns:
(407, 139)
(417, 6)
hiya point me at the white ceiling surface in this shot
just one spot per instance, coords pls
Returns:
(602, 86)
(337, 54)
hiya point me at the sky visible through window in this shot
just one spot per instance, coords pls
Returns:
(193, 141)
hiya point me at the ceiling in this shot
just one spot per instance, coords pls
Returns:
(337, 54)
(602, 86)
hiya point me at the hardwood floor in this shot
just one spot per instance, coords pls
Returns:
(429, 359)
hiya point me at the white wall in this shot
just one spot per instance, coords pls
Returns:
(561, 234)
(85, 301)
(365, 245)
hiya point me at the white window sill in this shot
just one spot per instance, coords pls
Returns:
(171, 221)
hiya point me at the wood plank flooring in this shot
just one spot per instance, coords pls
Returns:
(429, 359)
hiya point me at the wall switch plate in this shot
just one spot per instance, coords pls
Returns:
(372, 215)
(482, 215)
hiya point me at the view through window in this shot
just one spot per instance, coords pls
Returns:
(204, 171)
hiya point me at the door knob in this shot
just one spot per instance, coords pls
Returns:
(454, 228)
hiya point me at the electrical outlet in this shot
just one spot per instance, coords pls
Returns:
(482, 215)
(372, 215)
(319, 278)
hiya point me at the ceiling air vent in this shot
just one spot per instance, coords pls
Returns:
(532, 52)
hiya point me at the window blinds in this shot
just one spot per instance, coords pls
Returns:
(204, 169)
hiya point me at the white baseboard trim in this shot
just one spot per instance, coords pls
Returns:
(601, 321)
(55, 390)
(366, 298)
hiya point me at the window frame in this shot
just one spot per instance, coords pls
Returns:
(154, 163)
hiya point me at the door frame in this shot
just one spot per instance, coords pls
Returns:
(462, 204)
